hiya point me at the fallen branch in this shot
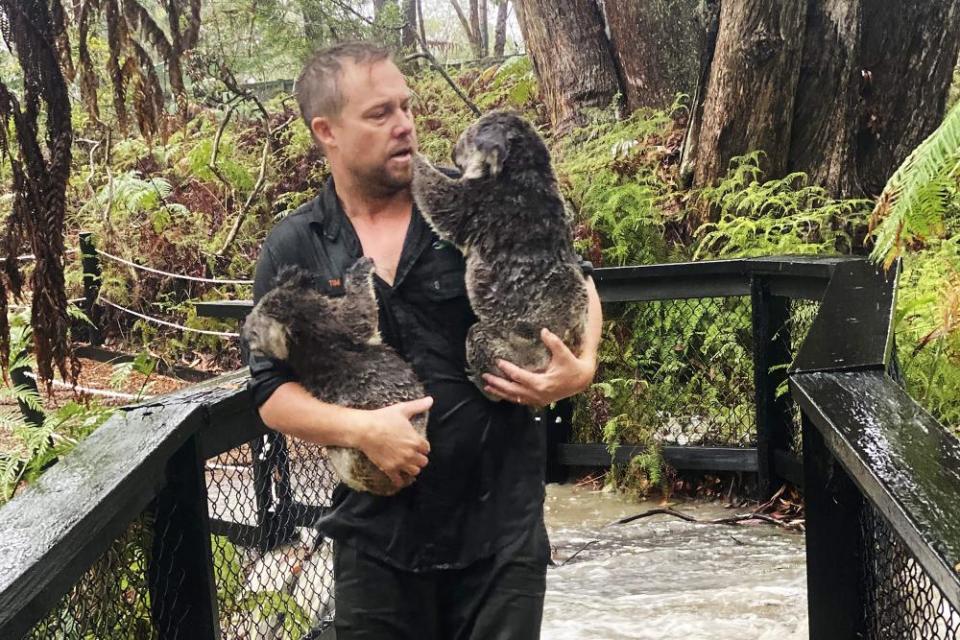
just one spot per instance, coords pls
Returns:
(216, 146)
(425, 54)
(732, 520)
(257, 187)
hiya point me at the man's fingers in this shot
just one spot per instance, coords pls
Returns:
(415, 407)
(516, 373)
(397, 479)
(553, 342)
(411, 470)
(423, 446)
(420, 460)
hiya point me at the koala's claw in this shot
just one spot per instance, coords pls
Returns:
(361, 269)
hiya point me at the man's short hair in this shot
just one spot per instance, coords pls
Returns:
(318, 86)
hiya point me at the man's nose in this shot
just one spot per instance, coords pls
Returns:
(403, 124)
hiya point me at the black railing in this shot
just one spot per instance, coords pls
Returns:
(185, 518)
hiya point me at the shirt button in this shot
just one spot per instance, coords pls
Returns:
(436, 285)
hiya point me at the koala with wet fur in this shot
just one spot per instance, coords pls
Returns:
(506, 215)
(333, 345)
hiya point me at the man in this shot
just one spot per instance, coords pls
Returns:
(461, 551)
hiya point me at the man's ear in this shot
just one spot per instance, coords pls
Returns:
(322, 132)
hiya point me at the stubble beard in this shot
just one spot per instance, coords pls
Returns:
(380, 182)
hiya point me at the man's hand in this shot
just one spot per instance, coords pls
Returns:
(391, 442)
(564, 376)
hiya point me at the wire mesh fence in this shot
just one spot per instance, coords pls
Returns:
(902, 603)
(677, 372)
(802, 313)
(274, 570)
(114, 598)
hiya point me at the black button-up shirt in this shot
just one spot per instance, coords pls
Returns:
(483, 486)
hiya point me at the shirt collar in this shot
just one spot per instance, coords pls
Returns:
(330, 220)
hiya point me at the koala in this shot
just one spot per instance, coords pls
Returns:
(506, 215)
(333, 345)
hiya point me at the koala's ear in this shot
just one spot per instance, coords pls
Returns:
(489, 152)
(294, 277)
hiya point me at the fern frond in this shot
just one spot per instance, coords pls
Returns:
(914, 200)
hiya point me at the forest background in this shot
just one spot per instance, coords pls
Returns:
(680, 130)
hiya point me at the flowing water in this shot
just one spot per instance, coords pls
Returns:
(661, 577)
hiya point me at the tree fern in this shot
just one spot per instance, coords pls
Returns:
(914, 202)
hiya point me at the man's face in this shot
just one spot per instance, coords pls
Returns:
(373, 136)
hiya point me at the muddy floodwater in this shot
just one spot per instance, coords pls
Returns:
(661, 577)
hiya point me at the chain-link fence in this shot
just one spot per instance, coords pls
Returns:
(112, 599)
(274, 571)
(902, 603)
(272, 568)
(675, 372)
(681, 373)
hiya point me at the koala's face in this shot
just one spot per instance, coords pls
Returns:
(292, 320)
(495, 141)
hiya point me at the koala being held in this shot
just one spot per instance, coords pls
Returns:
(333, 345)
(506, 216)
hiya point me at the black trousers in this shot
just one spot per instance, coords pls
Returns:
(497, 598)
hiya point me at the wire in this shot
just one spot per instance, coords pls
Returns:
(93, 392)
(29, 256)
(168, 274)
(222, 334)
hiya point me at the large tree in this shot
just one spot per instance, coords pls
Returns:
(571, 55)
(656, 45)
(841, 90)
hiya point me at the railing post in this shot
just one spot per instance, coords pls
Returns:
(557, 422)
(20, 377)
(274, 515)
(771, 356)
(91, 286)
(183, 593)
(835, 592)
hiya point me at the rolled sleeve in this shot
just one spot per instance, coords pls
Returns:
(266, 374)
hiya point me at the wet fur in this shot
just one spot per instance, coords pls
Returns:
(333, 345)
(507, 217)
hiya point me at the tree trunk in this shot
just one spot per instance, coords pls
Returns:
(822, 144)
(908, 53)
(500, 32)
(657, 46)
(484, 29)
(870, 85)
(408, 35)
(571, 56)
(749, 97)
(469, 25)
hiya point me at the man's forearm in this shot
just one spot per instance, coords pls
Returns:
(591, 334)
(291, 410)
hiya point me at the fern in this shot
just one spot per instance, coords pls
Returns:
(770, 217)
(914, 202)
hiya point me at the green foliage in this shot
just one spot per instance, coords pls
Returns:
(775, 217)
(921, 195)
(611, 181)
(928, 329)
(40, 446)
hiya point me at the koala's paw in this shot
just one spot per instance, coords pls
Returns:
(361, 269)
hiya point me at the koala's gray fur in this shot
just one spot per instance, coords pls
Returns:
(333, 345)
(506, 215)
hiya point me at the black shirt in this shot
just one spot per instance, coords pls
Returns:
(483, 485)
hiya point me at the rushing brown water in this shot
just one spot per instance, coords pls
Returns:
(663, 578)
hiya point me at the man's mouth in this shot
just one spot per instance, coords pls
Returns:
(402, 154)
